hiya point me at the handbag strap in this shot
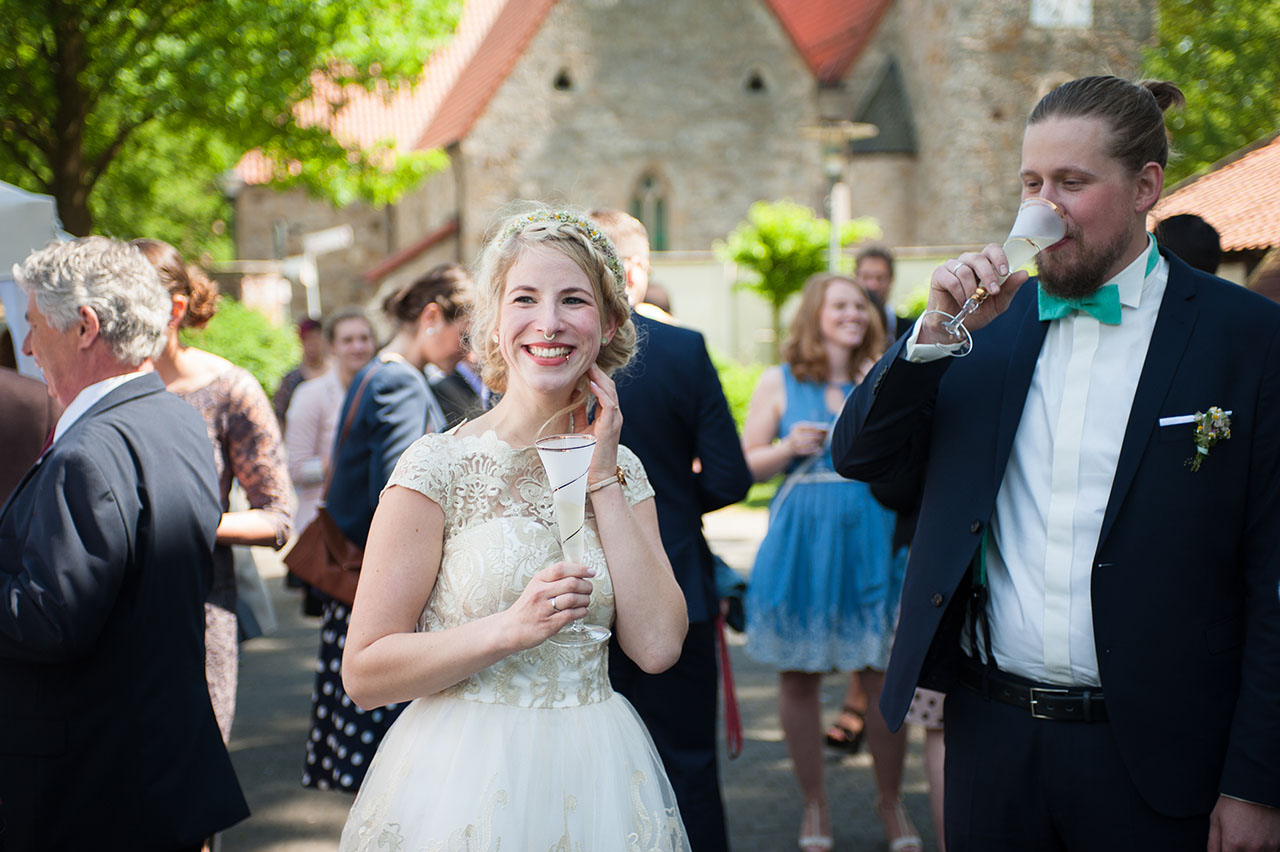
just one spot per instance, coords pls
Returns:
(346, 425)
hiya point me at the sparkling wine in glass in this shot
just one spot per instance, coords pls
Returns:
(566, 459)
(1039, 224)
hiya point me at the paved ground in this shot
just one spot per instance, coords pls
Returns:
(762, 800)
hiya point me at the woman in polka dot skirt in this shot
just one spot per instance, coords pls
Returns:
(393, 411)
(343, 737)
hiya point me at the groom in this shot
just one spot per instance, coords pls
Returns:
(1102, 612)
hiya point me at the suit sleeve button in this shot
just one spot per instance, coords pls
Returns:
(936, 600)
(976, 526)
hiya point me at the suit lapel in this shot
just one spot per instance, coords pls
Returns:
(1169, 339)
(1017, 380)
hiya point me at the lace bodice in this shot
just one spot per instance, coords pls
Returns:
(500, 530)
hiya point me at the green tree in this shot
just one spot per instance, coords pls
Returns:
(784, 243)
(1222, 54)
(153, 99)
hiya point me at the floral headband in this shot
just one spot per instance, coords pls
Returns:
(598, 237)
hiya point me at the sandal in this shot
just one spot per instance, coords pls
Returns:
(840, 735)
(811, 837)
(898, 828)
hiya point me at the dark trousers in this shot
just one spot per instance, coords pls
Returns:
(1019, 784)
(679, 708)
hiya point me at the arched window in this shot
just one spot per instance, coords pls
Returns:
(649, 205)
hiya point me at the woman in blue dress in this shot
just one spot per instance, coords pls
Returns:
(822, 596)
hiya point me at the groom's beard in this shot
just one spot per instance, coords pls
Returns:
(1074, 278)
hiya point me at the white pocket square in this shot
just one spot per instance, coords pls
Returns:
(1182, 418)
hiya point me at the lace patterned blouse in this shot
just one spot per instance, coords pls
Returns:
(500, 530)
(247, 448)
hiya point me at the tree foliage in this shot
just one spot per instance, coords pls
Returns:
(138, 106)
(1222, 53)
(784, 243)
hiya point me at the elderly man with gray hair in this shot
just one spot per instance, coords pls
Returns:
(107, 736)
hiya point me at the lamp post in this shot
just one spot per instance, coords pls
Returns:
(835, 136)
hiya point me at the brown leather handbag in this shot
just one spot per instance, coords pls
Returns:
(323, 556)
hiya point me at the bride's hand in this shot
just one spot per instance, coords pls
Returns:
(556, 596)
(606, 427)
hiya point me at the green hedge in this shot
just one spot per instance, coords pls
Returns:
(249, 339)
(739, 382)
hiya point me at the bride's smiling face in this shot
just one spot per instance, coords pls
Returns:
(547, 295)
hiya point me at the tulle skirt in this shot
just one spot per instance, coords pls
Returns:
(455, 774)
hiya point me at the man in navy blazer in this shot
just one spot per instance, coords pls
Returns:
(676, 416)
(107, 736)
(1097, 595)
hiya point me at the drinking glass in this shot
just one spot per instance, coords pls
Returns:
(1038, 225)
(566, 459)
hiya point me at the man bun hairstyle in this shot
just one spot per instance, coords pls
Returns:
(1134, 113)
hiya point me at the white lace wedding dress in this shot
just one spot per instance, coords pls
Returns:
(536, 752)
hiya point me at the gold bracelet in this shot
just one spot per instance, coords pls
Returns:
(620, 478)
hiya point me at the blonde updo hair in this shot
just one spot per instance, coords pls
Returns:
(574, 236)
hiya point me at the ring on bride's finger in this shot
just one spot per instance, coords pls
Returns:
(955, 270)
(553, 603)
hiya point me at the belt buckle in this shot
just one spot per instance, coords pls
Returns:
(1037, 693)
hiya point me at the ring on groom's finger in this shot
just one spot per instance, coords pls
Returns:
(955, 270)
(553, 603)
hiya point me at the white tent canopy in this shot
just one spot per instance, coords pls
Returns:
(27, 222)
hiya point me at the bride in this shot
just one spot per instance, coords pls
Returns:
(511, 741)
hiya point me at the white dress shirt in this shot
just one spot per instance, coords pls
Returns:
(1051, 502)
(87, 398)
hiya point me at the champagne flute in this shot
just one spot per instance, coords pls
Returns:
(1038, 225)
(566, 459)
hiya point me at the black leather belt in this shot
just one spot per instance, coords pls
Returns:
(1045, 701)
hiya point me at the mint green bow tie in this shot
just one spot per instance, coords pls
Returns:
(1103, 304)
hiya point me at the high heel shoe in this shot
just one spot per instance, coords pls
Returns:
(842, 736)
(812, 838)
(898, 828)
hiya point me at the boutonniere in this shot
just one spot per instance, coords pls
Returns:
(1212, 426)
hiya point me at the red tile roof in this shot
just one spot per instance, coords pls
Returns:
(459, 80)
(1240, 196)
(391, 263)
(830, 34)
(487, 69)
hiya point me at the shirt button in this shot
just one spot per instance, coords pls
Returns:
(936, 600)
(975, 526)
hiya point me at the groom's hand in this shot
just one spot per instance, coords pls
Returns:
(955, 280)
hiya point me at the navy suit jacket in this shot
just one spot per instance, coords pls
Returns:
(107, 736)
(391, 415)
(1186, 575)
(674, 411)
